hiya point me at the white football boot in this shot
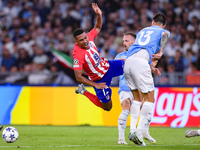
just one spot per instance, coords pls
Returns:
(191, 133)
(149, 138)
(81, 89)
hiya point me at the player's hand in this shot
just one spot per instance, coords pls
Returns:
(100, 85)
(156, 71)
(96, 9)
(157, 56)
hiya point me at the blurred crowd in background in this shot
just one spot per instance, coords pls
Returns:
(32, 26)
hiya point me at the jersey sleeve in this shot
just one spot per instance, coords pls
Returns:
(78, 61)
(167, 32)
(92, 34)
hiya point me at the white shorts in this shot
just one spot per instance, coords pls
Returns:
(124, 95)
(137, 72)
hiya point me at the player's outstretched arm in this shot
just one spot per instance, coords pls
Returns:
(80, 78)
(98, 11)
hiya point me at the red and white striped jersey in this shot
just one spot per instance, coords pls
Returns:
(89, 60)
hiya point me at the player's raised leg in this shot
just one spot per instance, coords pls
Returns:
(93, 98)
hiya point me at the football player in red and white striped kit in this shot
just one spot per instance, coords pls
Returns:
(99, 70)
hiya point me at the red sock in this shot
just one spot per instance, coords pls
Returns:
(93, 98)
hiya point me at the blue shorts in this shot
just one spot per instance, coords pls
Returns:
(115, 69)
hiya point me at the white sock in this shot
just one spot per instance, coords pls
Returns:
(135, 112)
(145, 118)
(122, 120)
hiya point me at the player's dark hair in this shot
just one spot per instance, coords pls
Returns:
(77, 32)
(131, 34)
(160, 18)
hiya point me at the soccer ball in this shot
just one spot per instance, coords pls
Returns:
(10, 134)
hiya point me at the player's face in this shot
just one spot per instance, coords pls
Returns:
(128, 40)
(82, 41)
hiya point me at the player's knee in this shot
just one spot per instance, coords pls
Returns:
(126, 104)
(108, 108)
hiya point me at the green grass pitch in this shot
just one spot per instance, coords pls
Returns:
(95, 138)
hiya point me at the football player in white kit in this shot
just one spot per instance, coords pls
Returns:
(126, 96)
(149, 45)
